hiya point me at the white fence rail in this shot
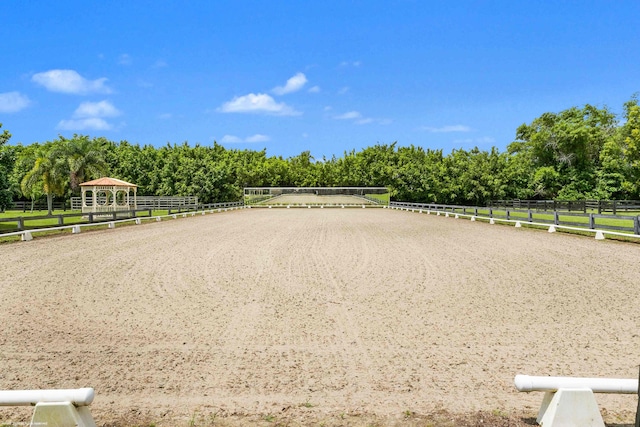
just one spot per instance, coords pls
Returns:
(60, 408)
(553, 225)
(146, 202)
(570, 402)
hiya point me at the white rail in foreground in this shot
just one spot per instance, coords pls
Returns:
(60, 408)
(570, 401)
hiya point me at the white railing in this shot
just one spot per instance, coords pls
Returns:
(27, 235)
(570, 401)
(62, 408)
(552, 225)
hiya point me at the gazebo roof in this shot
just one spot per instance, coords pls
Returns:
(107, 181)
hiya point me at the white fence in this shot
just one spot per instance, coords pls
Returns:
(60, 408)
(147, 202)
(570, 401)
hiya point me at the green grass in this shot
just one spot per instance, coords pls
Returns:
(6, 227)
(382, 198)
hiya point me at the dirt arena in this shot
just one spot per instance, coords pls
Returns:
(316, 317)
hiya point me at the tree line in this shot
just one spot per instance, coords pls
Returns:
(578, 153)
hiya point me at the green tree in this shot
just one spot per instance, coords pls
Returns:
(49, 172)
(7, 159)
(567, 147)
(85, 159)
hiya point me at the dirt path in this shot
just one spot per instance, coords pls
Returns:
(316, 312)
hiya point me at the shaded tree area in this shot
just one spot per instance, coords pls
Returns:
(574, 154)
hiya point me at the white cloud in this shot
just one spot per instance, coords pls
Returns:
(350, 63)
(232, 139)
(483, 140)
(160, 64)
(96, 109)
(349, 116)
(124, 59)
(90, 116)
(165, 116)
(315, 89)
(294, 84)
(90, 123)
(69, 81)
(447, 129)
(359, 119)
(12, 102)
(343, 90)
(257, 138)
(257, 103)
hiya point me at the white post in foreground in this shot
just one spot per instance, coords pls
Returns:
(62, 408)
(571, 401)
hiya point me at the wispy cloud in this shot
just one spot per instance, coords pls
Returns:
(96, 109)
(69, 81)
(160, 64)
(343, 90)
(315, 89)
(12, 102)
(359, 119)
(232, 139)
(350, 64)
(125, 59)
(294, 84)
(90, 123)
(447, 129)
(483, 140)
(90, 116)
(349, 116)
(257, 103)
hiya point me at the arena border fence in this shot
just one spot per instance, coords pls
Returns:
(531, 217)
(27, 235)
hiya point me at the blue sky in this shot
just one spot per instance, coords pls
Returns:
(325, 76)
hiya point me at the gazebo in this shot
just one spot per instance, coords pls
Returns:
(108, 195)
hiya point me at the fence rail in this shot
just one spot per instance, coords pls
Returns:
(591, 221)
(74, 218)
(569, 205)
(146, 202)
(22, 222)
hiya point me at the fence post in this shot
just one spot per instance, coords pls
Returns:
(150, 212)
(614, 206)
(20, 223)
(530, 215)
(60, 220)
(592, 222)
(636, 225)
(556, 219)
(599, 207)
(508, 214)
(90, 216)
(490, 212)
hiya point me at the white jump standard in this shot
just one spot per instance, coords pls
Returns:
(60, 408)
(570, 401)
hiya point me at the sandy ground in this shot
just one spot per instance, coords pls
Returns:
(315, 314)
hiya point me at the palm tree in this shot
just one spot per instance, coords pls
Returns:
(84, 158)
(48, 173)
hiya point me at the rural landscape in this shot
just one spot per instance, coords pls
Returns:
(317, 317)
(322, 213)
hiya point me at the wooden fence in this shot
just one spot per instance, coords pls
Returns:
(592, 221)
